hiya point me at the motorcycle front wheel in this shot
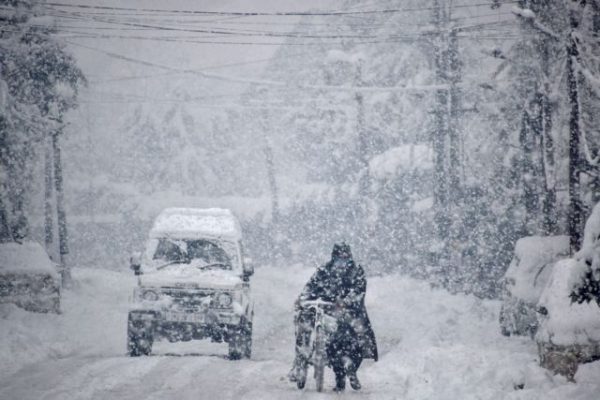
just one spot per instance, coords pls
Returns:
(319, 358)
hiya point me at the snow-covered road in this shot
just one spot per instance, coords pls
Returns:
(433, 345)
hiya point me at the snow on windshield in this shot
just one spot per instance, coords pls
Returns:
(190, 251)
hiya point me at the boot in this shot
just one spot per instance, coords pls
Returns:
(354, 382)
(340, 384)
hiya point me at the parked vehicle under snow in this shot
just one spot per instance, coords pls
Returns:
(193, 283)
(525, 280)
(28, 278)
(569, 332)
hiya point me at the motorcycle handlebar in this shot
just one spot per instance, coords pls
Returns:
(315, 303)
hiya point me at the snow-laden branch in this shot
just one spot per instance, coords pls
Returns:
(523, 13)
(580, 69)
(530, 16)
(594, 82)
(586, 149)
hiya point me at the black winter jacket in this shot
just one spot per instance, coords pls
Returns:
(348, 288)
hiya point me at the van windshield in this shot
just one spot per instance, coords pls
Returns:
(199, 253)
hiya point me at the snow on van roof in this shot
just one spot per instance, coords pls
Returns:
(196, 223)
(27, 257)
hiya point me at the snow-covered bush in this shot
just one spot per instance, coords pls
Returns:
(525, 280)
(39, 81)
(531, 266)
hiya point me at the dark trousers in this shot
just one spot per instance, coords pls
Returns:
(344, 351)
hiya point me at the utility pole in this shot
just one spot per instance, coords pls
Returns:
(362, 134)
(440, 134)
(454, 136)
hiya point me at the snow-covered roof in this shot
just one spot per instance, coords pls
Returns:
(532, 264)
(189, 223)
(401, 159)
(26, 257)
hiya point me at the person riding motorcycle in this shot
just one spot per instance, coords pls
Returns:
(342, 282)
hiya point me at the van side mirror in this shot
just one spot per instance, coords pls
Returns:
(135, 262)
(248, 269)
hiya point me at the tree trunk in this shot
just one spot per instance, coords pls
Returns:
(575, 203)
(272, 185)
(60, 211)
(549, 222)
(440, 134)
(529, 193)
(48, 194)
(363, 184)
(5, 231)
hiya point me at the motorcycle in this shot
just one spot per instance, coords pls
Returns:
(324, 327)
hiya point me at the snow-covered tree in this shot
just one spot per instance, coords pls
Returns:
(38, 84)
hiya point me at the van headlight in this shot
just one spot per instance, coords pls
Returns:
(150, 295)
(224, 300)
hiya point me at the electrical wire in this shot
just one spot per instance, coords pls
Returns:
(238, 13)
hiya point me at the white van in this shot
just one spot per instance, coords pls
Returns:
(194, 283)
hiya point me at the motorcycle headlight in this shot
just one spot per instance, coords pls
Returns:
(150, 295)
(224, 299)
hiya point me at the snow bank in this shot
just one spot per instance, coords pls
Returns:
(196, 223)
(532, 264)
(28, 257)
(567, 323)
(93, 323)
(401, 159)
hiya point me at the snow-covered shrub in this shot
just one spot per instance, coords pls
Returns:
(525, 280)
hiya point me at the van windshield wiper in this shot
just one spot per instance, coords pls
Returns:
(220, 265)
(184, 261)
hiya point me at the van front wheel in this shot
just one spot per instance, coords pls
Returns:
(240, 342)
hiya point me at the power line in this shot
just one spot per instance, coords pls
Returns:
(230, 32)
(253, 14)
(257, 32)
